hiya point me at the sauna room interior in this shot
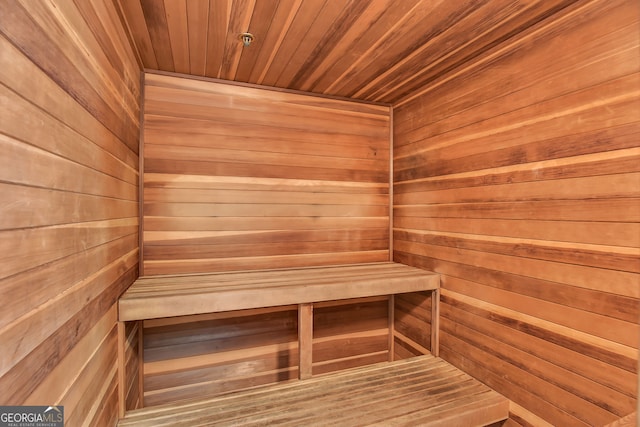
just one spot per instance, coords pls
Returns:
(493, 143)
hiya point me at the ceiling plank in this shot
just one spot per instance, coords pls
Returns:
(219, 12)
(156, 20)
(367, 33)
(263, 15)
(176, 15)
(377, 46)
(332, 40)
(374, 50)
(480, 20)
(241, 12)
(306, 14)
(485, 28)
(422, 24)
(134, 16)
(312, 42)
(197, 22)
(349, 49)
(286, 12)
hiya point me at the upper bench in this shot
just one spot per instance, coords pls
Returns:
(168, 296)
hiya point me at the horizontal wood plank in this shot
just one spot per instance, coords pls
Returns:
(204, 293)
(247, 158)
(270, 262)
(206, 355)
(516, 178)
(69, 131)
(425, 387)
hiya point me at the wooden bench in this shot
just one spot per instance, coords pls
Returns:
(170, 296)
(167, 296)
(423, 391)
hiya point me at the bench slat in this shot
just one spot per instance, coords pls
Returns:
(424, 390)
(169, 296)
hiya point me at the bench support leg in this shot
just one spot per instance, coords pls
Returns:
(435, 322)
(126, 345)
(122, 339)
(392, 308)
(141, 363)
(305, 340)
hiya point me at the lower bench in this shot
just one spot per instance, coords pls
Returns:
(423, 391)
(227, 292)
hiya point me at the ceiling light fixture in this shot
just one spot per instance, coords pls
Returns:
(246, 39)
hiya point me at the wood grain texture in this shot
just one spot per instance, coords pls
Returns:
(422, 391)
(206, 334)
(516, 177)
(212, 354)
(350, 333)
(195, 356)
(305, 340)
(130, 362)
(376, 50)
(515, 168)
(153, 297)
(240, 178)
(412, 321)
(228, 346)
(628, 421)
(69, 95)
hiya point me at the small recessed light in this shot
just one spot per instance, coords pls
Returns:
(246, 39)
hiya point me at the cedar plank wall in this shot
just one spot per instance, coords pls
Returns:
(194, 356)
(350, 333)
(516, 176)
(241, 178)
(69, 127)
(411, 325)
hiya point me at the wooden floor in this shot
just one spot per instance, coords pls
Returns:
(422, 391)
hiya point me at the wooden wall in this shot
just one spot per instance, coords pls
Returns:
(517, 176)
(350, 333)
(411, 325)
(196, 356)
(69, 94)
(240, 177)
(205, 355)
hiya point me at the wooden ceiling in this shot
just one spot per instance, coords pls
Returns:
(374, 50)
